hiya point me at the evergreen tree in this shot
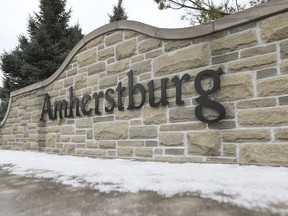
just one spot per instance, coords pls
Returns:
(118, 13)
(41, 53)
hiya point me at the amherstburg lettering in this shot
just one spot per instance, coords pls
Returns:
(65, 109)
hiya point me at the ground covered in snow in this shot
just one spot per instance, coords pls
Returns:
(245, 186)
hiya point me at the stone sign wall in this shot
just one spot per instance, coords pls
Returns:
(251, 48)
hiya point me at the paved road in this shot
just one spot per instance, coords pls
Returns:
(29, 196)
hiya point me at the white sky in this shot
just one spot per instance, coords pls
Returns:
(246, 186)
(89, 13)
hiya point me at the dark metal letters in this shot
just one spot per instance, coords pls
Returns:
(204, 100)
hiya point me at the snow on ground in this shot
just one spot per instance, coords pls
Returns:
(245, 186)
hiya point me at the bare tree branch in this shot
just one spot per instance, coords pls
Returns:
(202, 11)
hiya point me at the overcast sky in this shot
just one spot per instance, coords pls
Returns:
(90, 14)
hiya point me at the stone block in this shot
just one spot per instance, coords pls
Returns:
(174, 45)
(182, 114)
(58, 85)
(80, 81)
(125, 152)
(81, 132)
(158, 151)
(105, 53)
(103, 119)
(234, 87)
(259, 50)
(111, 60)
(101, 47)
(127, 114)
(256, 103)
(247, 135)
(233, 42)
(182, 159)
(211, 114)
(189, 58)
(91, 152)
(114, 38)
(229, 150)
(273, 86)
(8, 130)
(284, 50)
(112, 153)
(145, 76)
(144, 132)
(96, 68)
(221, 125)
(152, 115)
(144, 152)
(281, 134)
(210, 37)
(206, 143)
(151, 143)
(253, 63)
(93, 80)
(283, 101)
(84, 123)
(148, 45)
(183, 127)
(243, 28)
(284, 67)
(174, 151)
(111, 131)
(263, 117)
(171, 139)
(65, 138)
(137, 58)
(78, 139)
(130, 34)
(87, 58)
(107, 144)
(126, 49)
(68, 82)
(141, 67)
(33, 146)
(69, 149)
(51, 140)
(95, 42)
(80, 145)
(128, 143)
(225, 58)
(153, 54)
(142, 37)
(108, 82)
(21, 146)
(274, 28)
(92, 144)
(118, 67)
(223, 160)
(266, 73)
(72, 72)
(269, 154)
(68, 130)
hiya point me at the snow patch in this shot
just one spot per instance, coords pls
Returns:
(245, 186)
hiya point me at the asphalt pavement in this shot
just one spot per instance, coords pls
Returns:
(24, 196)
